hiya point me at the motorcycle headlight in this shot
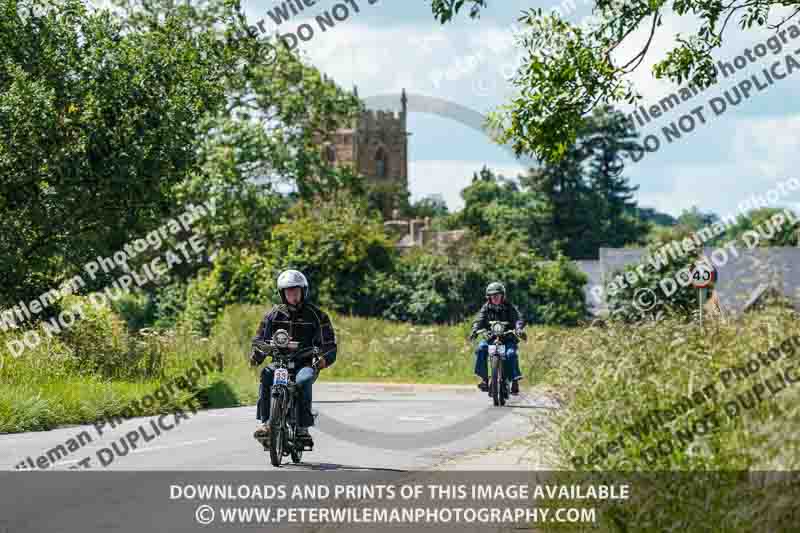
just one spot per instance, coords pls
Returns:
(497, 329)
(281, 338)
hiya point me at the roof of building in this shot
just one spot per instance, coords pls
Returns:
(743, 278)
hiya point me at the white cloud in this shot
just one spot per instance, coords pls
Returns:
(734, 156)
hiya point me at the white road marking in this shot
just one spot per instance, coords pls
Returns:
(176, 445)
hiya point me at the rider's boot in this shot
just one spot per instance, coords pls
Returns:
(262, 434)
(305, 437)
(483, 386)
(515, 387)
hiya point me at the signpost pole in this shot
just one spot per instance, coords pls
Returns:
(701, 293)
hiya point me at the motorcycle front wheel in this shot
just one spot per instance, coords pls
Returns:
(497, 380)
(297, 448)
(277, 425)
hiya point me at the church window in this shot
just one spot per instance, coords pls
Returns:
(380, 163)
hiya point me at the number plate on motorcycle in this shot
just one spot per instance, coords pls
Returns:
(281, 376)
(501, 349)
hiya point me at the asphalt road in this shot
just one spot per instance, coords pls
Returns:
(360, 427)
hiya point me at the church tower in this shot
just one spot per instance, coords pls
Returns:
(377, 148)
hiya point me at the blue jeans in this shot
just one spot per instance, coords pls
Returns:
(305, 378)
(511, 367)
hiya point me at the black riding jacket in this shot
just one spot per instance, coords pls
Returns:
(505, 312)
(308, 325)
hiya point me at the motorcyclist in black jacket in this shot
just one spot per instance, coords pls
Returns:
(306, 324)
(498, 308)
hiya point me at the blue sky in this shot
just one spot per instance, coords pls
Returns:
(395, 44)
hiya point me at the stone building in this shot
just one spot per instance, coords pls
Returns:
(376, 147)
(412, 233)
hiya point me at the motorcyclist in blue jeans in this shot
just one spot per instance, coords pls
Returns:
(308, 325)
(498, 308)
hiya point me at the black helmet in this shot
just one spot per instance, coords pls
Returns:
(495, 287)
(292, 278)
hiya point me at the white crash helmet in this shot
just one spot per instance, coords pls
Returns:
(292, 278)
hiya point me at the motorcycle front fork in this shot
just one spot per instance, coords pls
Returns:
(287, 397)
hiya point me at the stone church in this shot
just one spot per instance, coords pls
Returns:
(376, 147)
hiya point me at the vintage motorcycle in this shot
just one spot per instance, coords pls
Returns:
(284, 404)
(499, 383)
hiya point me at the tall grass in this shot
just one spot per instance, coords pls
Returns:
(97, 367)
(609, 377)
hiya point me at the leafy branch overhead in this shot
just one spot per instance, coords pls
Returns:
(569, 70)
(112, 122)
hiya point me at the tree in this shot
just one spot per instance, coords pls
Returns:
(432, 206)
(570, 70)
(97, 124)
(689, 223)
(269, 136)
(112, 124)
(785, 235)
(493, 204)
(584, 202)
(694, 219)
(656, 217)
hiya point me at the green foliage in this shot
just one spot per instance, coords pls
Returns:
(585, 202)
(494, 204)
(111, 124)
(569, 70)
(639, 295)
(427, 287)
(424, 288)
(610, 377)
(336, 244)
(97, 124)
(136, 308)
(694, 219)
(648, 214)
(785, 235)
(432, 206)
(170, 302)
(546, 292)
(237, 276)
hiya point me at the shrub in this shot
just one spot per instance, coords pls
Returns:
(236, 277)
(431, 288)
(136, 308)
(641, 297)
(336, 244)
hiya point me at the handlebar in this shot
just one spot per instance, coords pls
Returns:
(488, 333)
(269, 349)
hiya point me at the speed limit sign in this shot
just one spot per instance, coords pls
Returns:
(703, 275)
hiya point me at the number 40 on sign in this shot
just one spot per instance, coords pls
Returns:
(703, 275)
